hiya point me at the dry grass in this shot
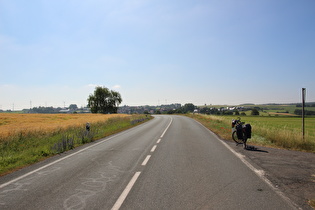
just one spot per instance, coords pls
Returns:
(11, 124)
(312, 203)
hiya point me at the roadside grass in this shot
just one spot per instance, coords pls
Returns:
(25, 147)
(280, 132)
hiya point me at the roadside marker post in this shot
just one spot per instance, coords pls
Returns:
(303, 111)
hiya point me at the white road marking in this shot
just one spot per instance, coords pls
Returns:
(158, 141)
(167, 128)
(126, 191)
(146, 160)
(259, 173)
(153, 148)
(61, 159)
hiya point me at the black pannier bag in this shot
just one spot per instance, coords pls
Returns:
(248, 131)
(239, 131)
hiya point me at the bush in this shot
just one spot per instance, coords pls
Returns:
(255, 112)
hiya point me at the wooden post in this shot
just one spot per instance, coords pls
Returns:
(303, 111)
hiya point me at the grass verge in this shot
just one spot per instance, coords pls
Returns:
(30, 146)
(266, 132)
(312, 203)
(263, 133)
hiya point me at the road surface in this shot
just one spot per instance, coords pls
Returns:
(170, 162)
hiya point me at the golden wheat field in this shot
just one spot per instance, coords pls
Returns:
(14, 123)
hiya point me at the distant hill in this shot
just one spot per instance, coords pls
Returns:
(306, 103)
(247, 104)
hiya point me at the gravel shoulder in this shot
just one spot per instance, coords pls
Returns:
(292, 172)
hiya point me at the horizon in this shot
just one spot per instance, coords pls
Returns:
(54, 53)
(208, 105)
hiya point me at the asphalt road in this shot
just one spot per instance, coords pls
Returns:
(170, 162)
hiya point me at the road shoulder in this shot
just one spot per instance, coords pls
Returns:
(292, 172)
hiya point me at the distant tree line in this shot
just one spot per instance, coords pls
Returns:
(51, 110)
(216, 111)
(191, 108)
(42, 110)
(306, 105)
(187, 108)
(307, 112)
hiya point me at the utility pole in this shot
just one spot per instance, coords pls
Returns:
(303, 111)
(30, 107)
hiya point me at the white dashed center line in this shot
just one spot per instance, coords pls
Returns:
(153, 148)
(146, 160)
(124, 194)
(133, 180)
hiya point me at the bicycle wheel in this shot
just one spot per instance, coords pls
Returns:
(234, 137)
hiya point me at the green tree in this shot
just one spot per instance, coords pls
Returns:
(189, 107)
(73, 107)
(255, 112)
(158, 112)
(104, 100)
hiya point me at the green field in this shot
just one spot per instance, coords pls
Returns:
(272, 110)
(282, 131)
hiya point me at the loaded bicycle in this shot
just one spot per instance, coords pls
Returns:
(241, 132)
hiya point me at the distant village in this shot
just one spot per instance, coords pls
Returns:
(160, 109)
(166, 109)
(178, 109)
(73, 108)
(148, 109)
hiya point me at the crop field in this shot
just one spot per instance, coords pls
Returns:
(29, 138)
(281, 132)
(11, 124)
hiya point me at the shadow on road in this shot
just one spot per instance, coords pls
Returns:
(255, 149)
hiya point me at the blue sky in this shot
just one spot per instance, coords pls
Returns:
(54, 53)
